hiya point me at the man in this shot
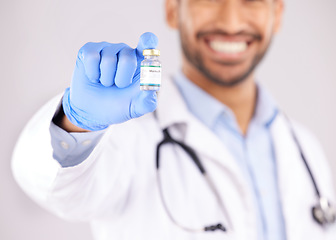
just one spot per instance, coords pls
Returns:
(105, 134)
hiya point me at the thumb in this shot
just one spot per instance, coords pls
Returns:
(147, 40)
(145, 102)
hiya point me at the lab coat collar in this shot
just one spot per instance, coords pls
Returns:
(171, 108)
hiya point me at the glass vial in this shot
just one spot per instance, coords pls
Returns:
(150, 73)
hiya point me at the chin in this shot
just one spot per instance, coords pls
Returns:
(225, 80)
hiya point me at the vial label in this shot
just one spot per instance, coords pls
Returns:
(150, 76)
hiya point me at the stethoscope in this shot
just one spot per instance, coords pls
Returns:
(323, 212)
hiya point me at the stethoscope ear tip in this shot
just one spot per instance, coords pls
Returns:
(324, 213)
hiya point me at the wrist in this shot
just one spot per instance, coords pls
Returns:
(77, 117)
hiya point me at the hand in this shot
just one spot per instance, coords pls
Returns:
(105, 87)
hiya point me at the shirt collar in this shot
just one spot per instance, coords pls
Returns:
(266, 108)
(208, 109)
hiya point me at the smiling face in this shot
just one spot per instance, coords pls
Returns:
(224, 40)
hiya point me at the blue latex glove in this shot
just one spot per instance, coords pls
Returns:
(105, 87)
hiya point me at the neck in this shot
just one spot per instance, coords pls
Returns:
(241, 99)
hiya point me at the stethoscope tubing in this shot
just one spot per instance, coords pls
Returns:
(304, 159)
(197, 161)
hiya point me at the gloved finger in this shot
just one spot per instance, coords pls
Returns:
(144, 102)
(89, 55)
(147, 40)
(108, 66)
(127, 64)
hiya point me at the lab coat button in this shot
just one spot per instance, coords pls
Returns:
(87, 142)
(64, 145)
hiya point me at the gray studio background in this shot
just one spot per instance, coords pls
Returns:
(39, 42)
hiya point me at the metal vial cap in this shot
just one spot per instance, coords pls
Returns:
(151, 52)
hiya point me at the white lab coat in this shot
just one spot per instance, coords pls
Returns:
(115, 188)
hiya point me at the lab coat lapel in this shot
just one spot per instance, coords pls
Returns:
(172, 110)
(296, 189)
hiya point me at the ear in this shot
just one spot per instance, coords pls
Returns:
(278, 12)
(172, 13)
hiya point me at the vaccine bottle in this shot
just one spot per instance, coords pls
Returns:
(150, 71)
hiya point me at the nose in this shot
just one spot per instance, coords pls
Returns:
(230, 16)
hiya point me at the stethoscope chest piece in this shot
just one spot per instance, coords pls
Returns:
(324, 213)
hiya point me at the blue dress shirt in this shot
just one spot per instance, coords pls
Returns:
(253, 151)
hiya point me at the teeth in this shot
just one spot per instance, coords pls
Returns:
(228, 47)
